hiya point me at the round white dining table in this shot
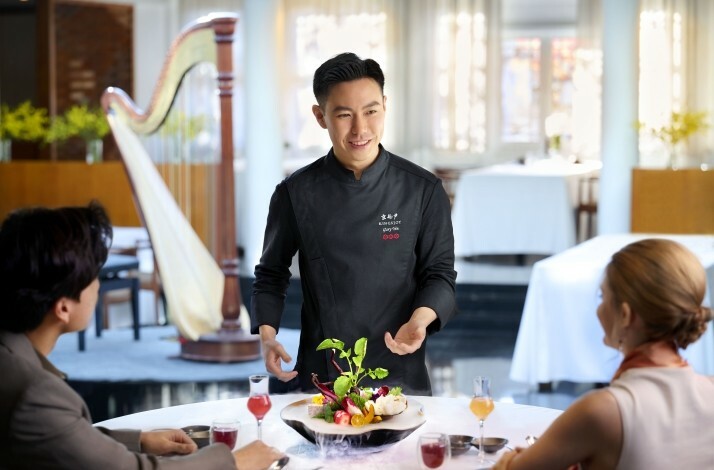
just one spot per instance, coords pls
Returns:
(442, 414)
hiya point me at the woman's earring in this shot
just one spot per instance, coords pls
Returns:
(619, 345)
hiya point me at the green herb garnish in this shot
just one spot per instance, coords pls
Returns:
(350, 379)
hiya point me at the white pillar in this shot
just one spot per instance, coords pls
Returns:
(263, 34)
(619, 113)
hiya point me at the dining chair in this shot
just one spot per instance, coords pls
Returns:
(117, 273)
(586, 211)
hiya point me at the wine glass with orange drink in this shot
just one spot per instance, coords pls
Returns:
(482, 405)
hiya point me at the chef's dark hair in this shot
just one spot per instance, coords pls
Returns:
(344, 67)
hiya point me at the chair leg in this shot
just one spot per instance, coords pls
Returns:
(166, 308)
(135, 306)
(98, 315)
(82, 345)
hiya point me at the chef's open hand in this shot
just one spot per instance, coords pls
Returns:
(166, 441)
(274, 354)
(411, 335)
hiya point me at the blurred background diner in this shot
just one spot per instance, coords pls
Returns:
(562, 131)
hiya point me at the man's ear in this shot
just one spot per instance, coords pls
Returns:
(319, 115)
(384, 102)
(62, 310)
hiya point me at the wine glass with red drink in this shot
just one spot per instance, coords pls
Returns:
(225, 430)
(433, 450)
(259, 400)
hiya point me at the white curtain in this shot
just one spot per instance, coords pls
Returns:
(587, 81)
(675, 72)
(316, 30)
(700, 75)
(402, 36)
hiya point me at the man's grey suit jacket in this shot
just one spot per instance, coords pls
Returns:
(44, 424)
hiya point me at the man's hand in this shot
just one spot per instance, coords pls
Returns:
(411, 335)
(274, 353)
(256, 456)
(167, 441)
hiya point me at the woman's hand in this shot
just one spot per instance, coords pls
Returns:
(167, 441)
(505, 460)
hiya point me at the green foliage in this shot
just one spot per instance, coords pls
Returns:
(24, 122)
(179, 124)
(79, 121)
(350, 379)
(680, 127)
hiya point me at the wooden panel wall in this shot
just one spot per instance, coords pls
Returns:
(56, 184)
(672, 201)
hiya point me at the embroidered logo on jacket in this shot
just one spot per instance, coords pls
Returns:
(390, 226)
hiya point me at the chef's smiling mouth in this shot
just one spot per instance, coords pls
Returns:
(360, 143)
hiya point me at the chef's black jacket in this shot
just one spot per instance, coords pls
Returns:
(370, 252)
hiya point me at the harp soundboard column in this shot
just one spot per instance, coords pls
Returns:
(230, 343)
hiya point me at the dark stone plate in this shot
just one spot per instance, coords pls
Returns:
(320, 432)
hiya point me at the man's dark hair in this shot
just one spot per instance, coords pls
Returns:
(47, 254)
(344, 67)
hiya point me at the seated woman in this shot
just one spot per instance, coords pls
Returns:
(49, 262)
(657, 412)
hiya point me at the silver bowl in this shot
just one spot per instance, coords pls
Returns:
(491, 445)
(460, 444)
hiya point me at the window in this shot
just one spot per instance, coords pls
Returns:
(317, 38)
(520, 87)
(460, 82)
(537, 91)
(661, 51)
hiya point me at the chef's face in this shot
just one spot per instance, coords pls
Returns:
(354, 117)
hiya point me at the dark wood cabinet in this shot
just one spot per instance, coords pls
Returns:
(58, 53)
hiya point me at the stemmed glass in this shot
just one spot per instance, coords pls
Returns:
(482, 405)
(259, 400)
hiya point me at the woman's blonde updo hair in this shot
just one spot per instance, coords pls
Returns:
(664, 283)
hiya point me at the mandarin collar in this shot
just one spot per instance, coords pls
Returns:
(344, 175)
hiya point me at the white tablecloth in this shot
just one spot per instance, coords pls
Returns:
(518, 209)
(560, 337)
(448, 415)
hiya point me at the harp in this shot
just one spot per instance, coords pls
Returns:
(186, 202)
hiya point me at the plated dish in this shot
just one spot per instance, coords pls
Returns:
(389, 431)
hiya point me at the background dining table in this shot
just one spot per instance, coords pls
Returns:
(442, 414)
(560, 337)
(515, 208)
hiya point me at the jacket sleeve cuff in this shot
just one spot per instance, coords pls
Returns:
(266, 309)
(129, 437)
(441, 300)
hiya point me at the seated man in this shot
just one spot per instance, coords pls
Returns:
(49, 262)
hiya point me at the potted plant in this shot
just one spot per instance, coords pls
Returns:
(681, 126)
(89, 124)
(23, 122)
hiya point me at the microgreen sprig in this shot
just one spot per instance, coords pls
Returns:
(350, 379)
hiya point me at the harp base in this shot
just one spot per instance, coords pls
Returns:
(222, 346)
